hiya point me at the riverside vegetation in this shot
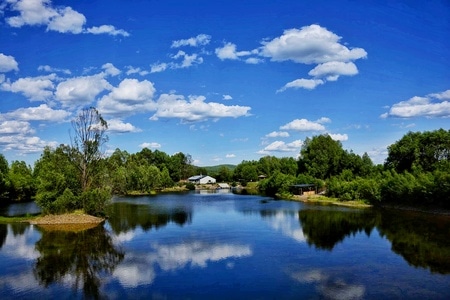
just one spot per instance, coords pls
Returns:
(80, 177)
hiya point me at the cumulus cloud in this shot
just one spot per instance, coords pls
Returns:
(39, 113)
(230, 155)
(82, 90)
(132, 70)
(49, 69)
(107, 29)
(130, 97)
(15, 127)
(436, 105)
(110, 69)
(308, 84)
(8, 63)
(150, 145)
(118, 126)
(339, 137)
(199, 40)
(305, 125)
(227, 97)
(195, 108)
(186, 60)
(228, 51)
(24, 144)
(280, 146)
(275, 134)
(61, 19)
(333, 69)
(311, 44)
(38, 88)
(158, 67)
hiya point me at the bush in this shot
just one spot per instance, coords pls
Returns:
(94, 201)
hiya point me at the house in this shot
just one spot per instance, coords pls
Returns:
(201, 179)
(304, 189)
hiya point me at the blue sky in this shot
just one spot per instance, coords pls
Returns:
(223, 81)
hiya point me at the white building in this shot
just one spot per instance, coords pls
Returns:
(201, 179)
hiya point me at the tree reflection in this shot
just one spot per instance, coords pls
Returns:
(325, 228)
(3, 234)
(81, 257)
(421, 239)
(125, 217)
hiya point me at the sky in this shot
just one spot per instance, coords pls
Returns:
(223, 81)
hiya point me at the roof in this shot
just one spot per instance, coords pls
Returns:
(304, 185)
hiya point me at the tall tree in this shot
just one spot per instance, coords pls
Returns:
(4, 169)
(89, 137)
(320, 157)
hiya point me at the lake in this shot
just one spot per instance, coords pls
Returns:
(220, 245)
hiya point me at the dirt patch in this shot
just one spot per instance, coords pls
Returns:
(66, 219)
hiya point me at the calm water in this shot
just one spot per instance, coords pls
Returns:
(227, 246)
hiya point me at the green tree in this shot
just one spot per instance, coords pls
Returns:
(22, 184)
(4, 182)
(320, 157)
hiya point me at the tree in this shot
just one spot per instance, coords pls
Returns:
(90, 135)
(22, 184)
(4, 170)
(320, 157)
(428, 151)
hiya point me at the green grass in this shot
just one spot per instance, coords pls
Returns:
(6, 220)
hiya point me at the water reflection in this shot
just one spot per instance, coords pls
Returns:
(421, 239)
(126, 215)
(80, 258)
(325, 228)
(142, 268)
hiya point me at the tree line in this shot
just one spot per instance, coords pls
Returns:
(79, 176)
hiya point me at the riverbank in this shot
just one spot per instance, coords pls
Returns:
(319, 199)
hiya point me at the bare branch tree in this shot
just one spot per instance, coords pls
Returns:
(89, 137)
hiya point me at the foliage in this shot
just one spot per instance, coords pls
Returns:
(278, 183)
(427, 151)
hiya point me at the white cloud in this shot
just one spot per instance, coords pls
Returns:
(24, 144)
(8, 63)
(435, 105)
(15, 127)
(49, 69)
(280, 146)
(38, 88)
(60, 19)
(67, 20)
(131, 70)
(334, 69)
(118, 126)
(160, 67)
(110, 69)
(308, 84)
(275, 134)
(230, 155)
(81, 90)
(199, 40)
(227, 97)
(304, 125)
(195, 108)
(187, 60)
(310, 45)
(130, 97)
(338, 137)
(40, 113)
(107, 29)
(150, 145)
(228, 51)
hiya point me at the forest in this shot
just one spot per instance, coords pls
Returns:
(416, 171)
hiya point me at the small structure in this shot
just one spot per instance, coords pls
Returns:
(304, 189)
(223, 186)
(201, 179)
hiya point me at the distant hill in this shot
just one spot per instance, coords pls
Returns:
(215, 169)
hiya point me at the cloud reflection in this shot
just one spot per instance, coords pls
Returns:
(288, 225)
(329, 287)
(139, 269)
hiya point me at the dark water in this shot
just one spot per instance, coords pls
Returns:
(226, 246)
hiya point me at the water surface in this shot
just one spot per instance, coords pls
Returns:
(221, 246)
